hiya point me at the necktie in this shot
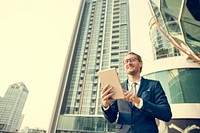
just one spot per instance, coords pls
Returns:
(133, 87)
(134, 90)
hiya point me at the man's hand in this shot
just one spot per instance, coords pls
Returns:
(129, 96)
(106, 95)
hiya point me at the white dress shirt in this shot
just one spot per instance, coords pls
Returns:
(138, 82)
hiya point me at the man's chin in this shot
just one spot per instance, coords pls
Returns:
(130, 72)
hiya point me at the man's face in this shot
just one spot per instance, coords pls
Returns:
(132, 65)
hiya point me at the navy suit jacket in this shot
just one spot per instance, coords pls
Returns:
(130, 119)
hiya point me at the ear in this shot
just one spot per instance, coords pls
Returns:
(141, 64)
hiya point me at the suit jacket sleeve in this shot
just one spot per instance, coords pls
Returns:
(160, 107)
(111, 113)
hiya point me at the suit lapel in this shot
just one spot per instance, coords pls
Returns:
(142, 88)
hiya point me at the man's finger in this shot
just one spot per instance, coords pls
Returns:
(104, 88)
(109, 89)
(108, 96)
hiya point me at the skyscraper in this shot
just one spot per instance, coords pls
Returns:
(11, 107)
(100, 40)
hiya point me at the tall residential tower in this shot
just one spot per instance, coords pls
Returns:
(100, 39)
(11, 107)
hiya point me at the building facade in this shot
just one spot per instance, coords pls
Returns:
(11, 107)
(100, 40)
(162, 47)
(178, 21)
(32, 130)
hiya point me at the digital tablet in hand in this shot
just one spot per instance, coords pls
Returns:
(110, 77)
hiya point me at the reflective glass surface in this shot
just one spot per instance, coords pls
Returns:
(162, 46)
(181, 20)
(190, 21)
(155, 6)
(83, 124)
(180, 85)
(170, 11)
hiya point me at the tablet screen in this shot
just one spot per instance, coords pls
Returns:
(109, 76)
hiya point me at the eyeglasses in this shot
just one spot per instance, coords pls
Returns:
(132, 59)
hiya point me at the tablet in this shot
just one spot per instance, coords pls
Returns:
(109, 76)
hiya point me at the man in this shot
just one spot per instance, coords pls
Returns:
(136, 113)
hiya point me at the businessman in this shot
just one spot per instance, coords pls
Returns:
(144, 101)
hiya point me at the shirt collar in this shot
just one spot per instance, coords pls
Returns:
(138, 81)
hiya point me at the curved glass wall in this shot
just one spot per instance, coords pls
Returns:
(170, 10)
(180, 85)
(162, 47)
(155, 7)
(181, 20)
(190, 20)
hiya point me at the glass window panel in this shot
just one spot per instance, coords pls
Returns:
(180, 85)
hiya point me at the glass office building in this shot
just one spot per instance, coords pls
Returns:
(162, 47)
(100, 40)
(11, 107)
(178, 21)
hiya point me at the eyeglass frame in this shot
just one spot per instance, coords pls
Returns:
(132, 59)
